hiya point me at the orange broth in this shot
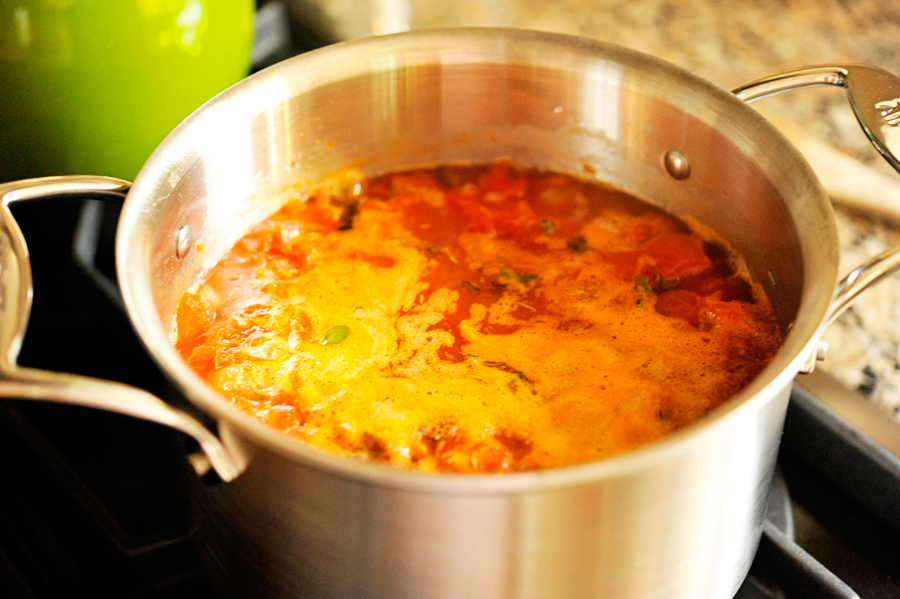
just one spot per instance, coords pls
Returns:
(476, 319)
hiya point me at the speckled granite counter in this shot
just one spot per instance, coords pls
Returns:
(730, 43)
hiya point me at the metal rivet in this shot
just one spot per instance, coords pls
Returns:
(821, 350)
(183, 241)
(677, 165)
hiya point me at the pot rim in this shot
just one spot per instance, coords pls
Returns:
(798, 344)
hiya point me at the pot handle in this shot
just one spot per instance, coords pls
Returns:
(17, 382)
(874, 95)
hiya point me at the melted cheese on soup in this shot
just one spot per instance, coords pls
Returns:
(476, 319)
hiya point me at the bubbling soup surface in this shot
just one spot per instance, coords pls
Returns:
(476, 319)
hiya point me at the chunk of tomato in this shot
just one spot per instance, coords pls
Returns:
(193, 317)
(680, 304)
(499, 178)
(676, 255)
(516, 220)
(474, 216)
(718, 312)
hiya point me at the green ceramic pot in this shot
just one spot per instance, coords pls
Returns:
(93, 86)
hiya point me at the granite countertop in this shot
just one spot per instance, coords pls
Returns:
(729, 43)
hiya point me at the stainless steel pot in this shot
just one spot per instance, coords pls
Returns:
(678, 519)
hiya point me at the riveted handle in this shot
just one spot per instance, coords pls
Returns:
(17, 382)
(874, 95)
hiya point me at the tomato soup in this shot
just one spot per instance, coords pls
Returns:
(476, 319)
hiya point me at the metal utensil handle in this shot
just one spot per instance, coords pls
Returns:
(874, 95)
(17, 382)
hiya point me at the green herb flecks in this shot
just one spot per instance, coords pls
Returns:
(644, 289)
(668, 285)
(577, 244)
(548, 227)
(511, 277)
(641, 284)
(335, 335)
(350, 211)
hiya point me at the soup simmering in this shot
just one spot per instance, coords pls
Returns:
(476, 319)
